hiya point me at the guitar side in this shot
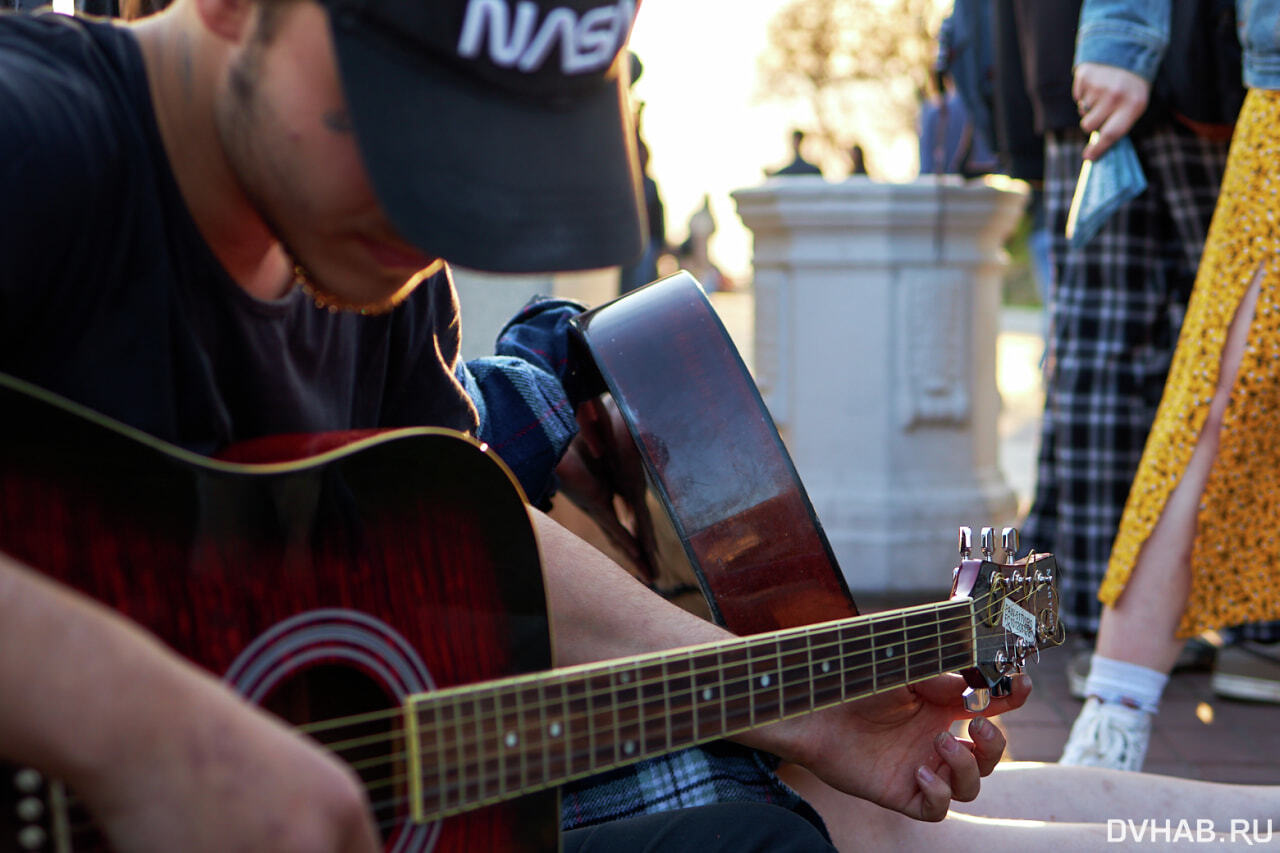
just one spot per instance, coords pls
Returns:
(324, 587)
(714, 457)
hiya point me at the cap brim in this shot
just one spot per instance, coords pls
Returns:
(487, 179)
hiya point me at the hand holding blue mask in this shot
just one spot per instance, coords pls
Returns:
(1105, 184)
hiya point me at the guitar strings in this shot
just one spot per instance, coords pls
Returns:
(483, 779)
(680, 702)
(687, 678)
(468, 724)
(469, 735)
(470, 693)
(572, 720)
(492, 787)
(462, 783)
(605, 668)
(491, 739)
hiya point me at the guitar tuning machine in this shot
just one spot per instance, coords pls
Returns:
(977, 699)
(988, 542)
(1024, 649)
(1049, 629)
(1010, 542)
(966, 542)
(1005, 662)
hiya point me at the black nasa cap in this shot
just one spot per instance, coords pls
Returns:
(497, 133)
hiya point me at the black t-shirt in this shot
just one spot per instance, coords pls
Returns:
(109, 295)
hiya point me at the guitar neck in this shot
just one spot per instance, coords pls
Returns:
(475, 745)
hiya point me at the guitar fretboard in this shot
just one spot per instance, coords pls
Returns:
(476, 745)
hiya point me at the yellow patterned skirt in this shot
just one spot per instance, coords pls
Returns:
(1235, 561)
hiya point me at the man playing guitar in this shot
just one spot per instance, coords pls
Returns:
(227, 221)
(216, 170)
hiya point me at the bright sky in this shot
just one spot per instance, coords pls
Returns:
(707, 131)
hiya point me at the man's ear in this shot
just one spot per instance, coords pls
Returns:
(227, 19)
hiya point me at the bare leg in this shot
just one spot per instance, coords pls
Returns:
(1032, 806)
(1037, 791)
(857, 825)
(1140, 627)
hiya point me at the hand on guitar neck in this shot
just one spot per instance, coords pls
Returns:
(889, 748)
(880, 748)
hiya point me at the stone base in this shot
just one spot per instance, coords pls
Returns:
(905, 540)
(875, 330)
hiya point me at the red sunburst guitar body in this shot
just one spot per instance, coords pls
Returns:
(324, 587)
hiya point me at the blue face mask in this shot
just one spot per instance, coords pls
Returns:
(1104, 185)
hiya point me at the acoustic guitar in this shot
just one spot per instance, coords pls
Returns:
(381, 591)
(718, 476)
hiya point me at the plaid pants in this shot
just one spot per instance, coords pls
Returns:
(1116, 306)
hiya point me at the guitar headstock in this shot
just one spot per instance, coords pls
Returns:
(1015, 609)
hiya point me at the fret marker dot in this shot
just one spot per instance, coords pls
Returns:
(32, 837)
(555, 730)
(707, 694)
(29, 809)
(511, 739)
(826, 666)
(764, 681)
(28, 780)
(888, 652)
(629, 747)
(624, 677)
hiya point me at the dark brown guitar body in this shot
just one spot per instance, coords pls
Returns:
(714, 457)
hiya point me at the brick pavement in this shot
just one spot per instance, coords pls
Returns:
(1197, 735)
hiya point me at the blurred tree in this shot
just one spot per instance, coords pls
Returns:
(862, 66)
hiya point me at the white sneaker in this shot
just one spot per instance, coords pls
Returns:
(1107, 734)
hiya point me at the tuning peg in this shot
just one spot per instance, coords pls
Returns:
(1009, 540)
(976, 699)
(1025, 649)
(966, 541)
(988, 542)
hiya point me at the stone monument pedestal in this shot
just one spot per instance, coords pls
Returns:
(876, 314)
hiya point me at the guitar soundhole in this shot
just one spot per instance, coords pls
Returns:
(355, 717)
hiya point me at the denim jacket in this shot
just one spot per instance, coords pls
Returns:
(1259, 28)
(1133, 34)
(1129, 34)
